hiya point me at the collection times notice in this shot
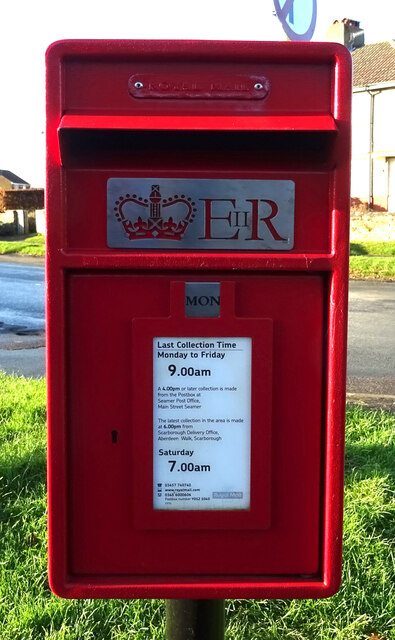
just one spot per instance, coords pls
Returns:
(202, 423)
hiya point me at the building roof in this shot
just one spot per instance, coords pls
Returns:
(374, 63)
(8, 175)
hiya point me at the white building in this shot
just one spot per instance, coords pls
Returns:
(373, 111)
(373, 140)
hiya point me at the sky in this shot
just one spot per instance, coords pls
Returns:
(30, 27)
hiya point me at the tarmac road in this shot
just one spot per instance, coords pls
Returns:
(22, 318)
(371, 341)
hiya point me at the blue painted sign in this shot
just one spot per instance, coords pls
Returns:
(298, 17)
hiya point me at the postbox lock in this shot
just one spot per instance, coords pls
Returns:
(138, 85)
(258, 86)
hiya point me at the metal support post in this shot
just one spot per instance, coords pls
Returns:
(195, 619)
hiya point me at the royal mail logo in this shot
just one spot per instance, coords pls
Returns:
(156, 225)
(200, 214)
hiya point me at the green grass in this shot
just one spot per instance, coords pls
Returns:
(33, 245)
(28, 611)
(372, 260)
(372, 248)
(372, 268)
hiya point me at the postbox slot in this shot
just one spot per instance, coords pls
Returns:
(111, 149)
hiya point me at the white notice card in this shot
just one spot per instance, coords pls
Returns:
(202, 423)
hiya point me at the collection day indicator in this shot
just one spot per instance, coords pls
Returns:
(202, 423)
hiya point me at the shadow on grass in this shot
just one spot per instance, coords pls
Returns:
(369, 460)
(357, 249)
(26, 474)
(18, 238)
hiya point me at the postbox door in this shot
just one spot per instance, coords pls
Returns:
(110, 457)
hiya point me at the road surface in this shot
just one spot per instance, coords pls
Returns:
(22, 319)
(371, 338)
(371, 343)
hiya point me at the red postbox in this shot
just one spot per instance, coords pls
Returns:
(197, 200)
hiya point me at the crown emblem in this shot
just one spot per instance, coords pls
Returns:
(155, 225)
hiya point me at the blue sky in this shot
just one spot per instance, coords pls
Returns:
(29, 28)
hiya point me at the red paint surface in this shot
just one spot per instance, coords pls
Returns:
(104, 306)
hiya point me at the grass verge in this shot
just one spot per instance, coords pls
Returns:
(33, 245)
(372, 260)
(365, 604)
(372, 268)
(372, 248)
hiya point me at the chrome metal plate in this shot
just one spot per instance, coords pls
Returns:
(164, 213)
